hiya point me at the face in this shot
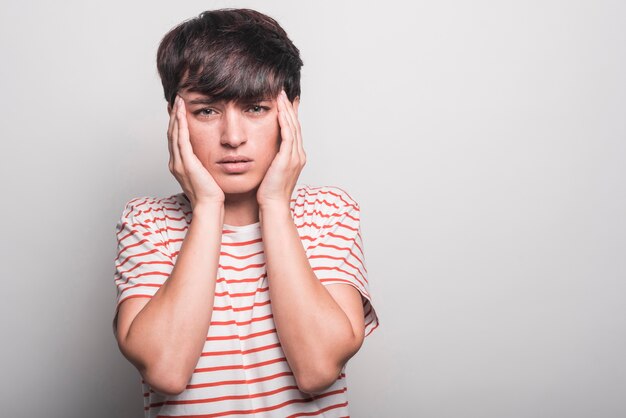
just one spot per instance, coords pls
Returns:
(221, 130)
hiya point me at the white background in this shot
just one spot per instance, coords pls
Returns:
(485, 142)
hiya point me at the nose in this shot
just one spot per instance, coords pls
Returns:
(233, 133)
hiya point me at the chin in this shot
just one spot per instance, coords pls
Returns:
(233, 187)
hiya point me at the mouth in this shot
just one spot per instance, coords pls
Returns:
(234, 159)
(235, 164)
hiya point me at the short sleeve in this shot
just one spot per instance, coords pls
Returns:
(336, 254)
(142, 263)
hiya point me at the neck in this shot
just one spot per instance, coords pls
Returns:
(241, 209)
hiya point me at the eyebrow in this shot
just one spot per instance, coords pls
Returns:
(204, 100)
(211, 100)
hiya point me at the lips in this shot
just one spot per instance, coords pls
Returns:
(234, 159)
(235, 164)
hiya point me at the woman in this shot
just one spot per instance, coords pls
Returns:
(246, 294)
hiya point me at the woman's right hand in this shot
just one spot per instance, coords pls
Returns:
(196, 181)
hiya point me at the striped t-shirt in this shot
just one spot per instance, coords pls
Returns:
(242, 371)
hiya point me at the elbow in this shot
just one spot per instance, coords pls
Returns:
(168, 384)
(316, 380)
(156, 372)
(321, 375)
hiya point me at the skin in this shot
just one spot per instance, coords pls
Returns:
(321, 332)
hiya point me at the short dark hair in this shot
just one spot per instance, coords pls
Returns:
(231, 54)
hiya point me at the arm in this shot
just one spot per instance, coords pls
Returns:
(164, 338)
(319, 328)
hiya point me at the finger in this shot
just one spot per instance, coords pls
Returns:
(298, 149)
(291, 129)
(178, 165)
(170, 128)
(286, 146)
(288, 112)
(296, 104)
(184, 145)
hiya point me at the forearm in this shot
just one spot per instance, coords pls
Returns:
(315, 333)
(167, 336)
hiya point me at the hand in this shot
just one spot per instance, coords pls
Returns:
(196, 181)
(282, 175)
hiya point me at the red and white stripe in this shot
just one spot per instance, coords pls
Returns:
(242, 370)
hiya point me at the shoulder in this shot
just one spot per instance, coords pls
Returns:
(316, 209)
(324, 215)
(146, 210)
(323, 198)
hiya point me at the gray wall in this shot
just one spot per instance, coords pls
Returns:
(484, 140)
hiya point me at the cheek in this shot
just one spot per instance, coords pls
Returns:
(194, 133)
(273, 132)
(272, 142)
(200, 137)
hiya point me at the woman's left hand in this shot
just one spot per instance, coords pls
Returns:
(282, 175)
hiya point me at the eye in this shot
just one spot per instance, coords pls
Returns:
(205, 112)
(258, 109)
